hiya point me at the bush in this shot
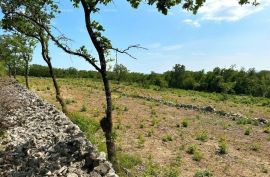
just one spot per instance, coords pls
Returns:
(203, 136)
(266, 130)
(171, 172)
(185, 123)
(197, 156)
(255, 147)
(127, 160)
(223, 146)
(204, 173)
(167, 138)
(192, 149)
(83, 108)
(248, 131)
(89, 127)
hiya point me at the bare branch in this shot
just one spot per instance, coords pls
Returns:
(126, 51)
(57, 41)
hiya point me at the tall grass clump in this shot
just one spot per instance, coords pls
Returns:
(90, 127)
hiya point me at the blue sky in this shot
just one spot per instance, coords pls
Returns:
(221, 34)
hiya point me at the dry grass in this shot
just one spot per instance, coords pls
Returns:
(151, 130)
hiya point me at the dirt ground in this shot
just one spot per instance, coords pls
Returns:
(156, 131)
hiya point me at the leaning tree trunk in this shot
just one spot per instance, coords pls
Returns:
(57, 90)
(46, 57)
(106, 123)
(26, 73)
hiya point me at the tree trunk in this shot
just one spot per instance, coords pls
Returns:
(9, 71)
(26, 73)
(57, 90)
(106, 123)
(46, 57)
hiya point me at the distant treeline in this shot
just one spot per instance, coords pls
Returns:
(231, 80)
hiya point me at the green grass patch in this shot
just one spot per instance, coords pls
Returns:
(203, 173)
(223, 146)
(202, 136)
(90, 127)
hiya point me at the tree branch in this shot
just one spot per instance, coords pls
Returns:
(64, 47)
(125, 51)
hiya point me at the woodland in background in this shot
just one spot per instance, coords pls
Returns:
(220, 80)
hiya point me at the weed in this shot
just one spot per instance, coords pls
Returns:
(223, 146)
(90, 128)
(267, 130)
(203, 173)
(255, 147)
(141, 141)
(2, 133)
(127, 161)
(248, 131)
(69, 101)
(185, 123)
(167, 138)
(197, 156)
(83, 109)
(154, 121)
(192, 149)
(151, 169)
(264, 170)
(244, 121)
(203, 136)
(150, 132)
(171, 172)
(141, 125)
(125, 109)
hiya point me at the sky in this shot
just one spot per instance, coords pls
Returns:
(222, 34)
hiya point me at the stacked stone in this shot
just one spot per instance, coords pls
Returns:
(41, 141)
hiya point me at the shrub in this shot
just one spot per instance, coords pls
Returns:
(150, 132)
(197, 156)
(83, 108)
(203, 136)
(191, 149)
(141, 125)
(255, 147)
(2, 133)
(167, 138)
(248, 131)
(89, 127)
(69, 101)
(266, 130)
(127, 160)
(185, 123)
(223, 146)
(203, 173)
(141, 141)
(171, 172)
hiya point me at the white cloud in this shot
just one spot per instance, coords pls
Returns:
(193, 23)
(229, 10)
(160, 47)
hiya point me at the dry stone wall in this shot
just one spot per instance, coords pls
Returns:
(40, 141)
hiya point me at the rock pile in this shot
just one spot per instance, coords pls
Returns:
(41, 141)
(206, 109)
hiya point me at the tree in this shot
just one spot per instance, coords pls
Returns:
(120, 71)
(14, 20)
(23, 47)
